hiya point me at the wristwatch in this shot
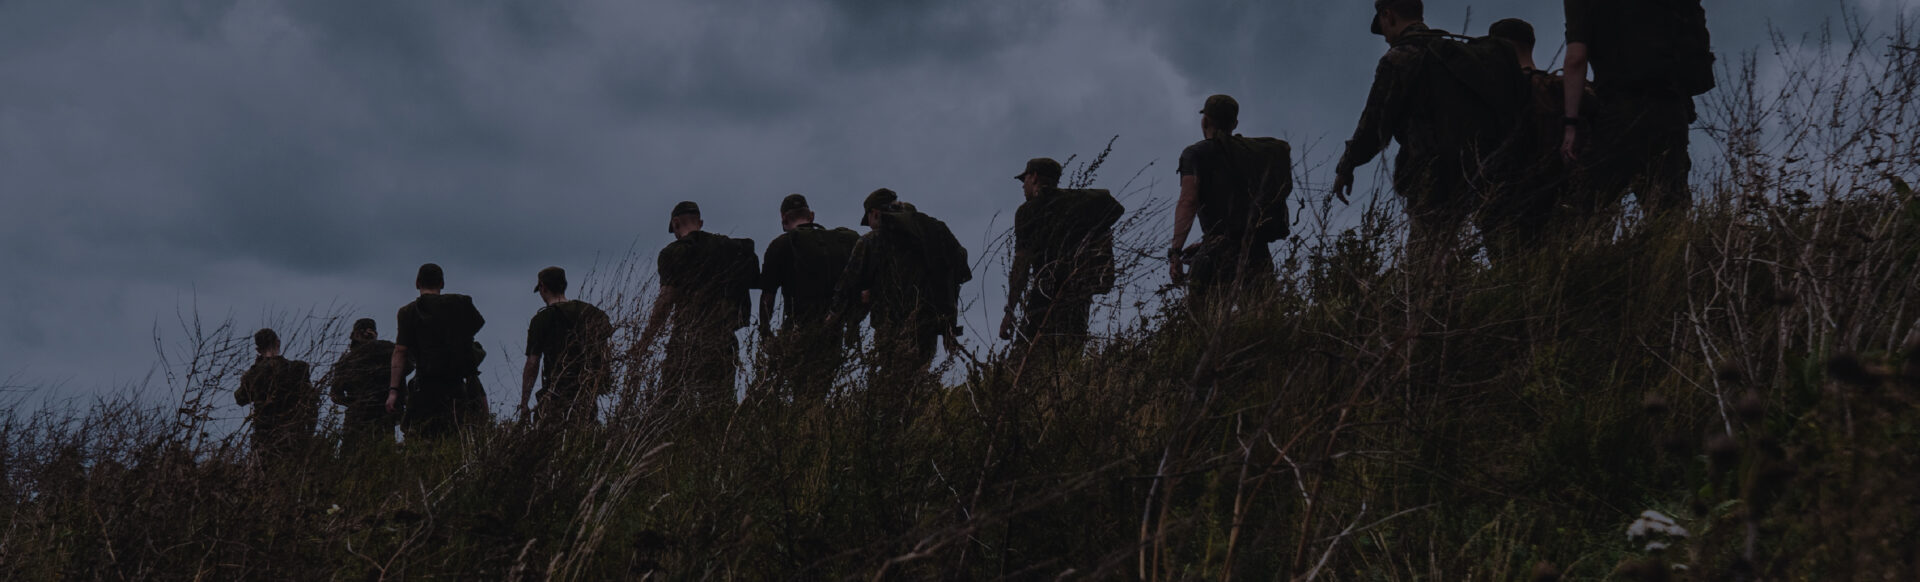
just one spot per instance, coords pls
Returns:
(1173, 253)
(1570, 121)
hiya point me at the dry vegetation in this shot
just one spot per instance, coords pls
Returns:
(1751, 371)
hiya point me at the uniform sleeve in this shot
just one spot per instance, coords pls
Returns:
(248, 381)
(403, 326)
(1386, 109)
(1190, 161)
(668, 266)
(341, 375)
(1026, 238)
(1579, 20)
(537, 333)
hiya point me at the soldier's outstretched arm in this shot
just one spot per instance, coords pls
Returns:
(657, 320)
(396, 376)
(1016, 284)
(1386, 110)
(1183, 213)
(766, 312)
(528, 374)
(1575, 84)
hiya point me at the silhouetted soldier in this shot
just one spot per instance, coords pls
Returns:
(1440, 108)
(569, 338)
(436, 332)
(1521, 203)
(705, 281)
(285, 403)
(1229, 257)
(359, 383)
(1062, 257)
(802, 265)
(907, 272)
(1649, 58)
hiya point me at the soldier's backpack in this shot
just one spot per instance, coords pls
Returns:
(1476, 89)
(449, 351)
(1100, 211)
(1656, 44)
(823, 253)
(942, 260)
(1263, 167)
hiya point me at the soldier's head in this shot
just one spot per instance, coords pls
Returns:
(364, 330)
(1520, 34)
(686, 220)
(1219, 117)
(794, 212)
(430, 279)
(1392, 17)
(1041, 173)
(880, 201)
(266, 342)
(552, 284)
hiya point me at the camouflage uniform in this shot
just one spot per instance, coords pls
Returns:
(912, 268)
(1063, 241)
(702, 352)
(802, 266)
(1639, 138)
(360, 385)
(1430, 172)
(445, 392)
(570, 337)
(285, 406)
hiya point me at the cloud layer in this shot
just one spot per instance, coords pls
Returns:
(250, 158)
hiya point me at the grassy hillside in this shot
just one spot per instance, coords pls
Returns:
(1748, 372)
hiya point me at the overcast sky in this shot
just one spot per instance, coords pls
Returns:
(265, 157)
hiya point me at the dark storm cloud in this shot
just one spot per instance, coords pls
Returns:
(257, 157)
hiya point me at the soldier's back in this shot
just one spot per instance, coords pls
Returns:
(819, 256)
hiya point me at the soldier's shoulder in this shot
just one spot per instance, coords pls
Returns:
(1405, 54)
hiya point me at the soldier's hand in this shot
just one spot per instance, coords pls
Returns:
(866, 296)
(1567, 151)
(1006, 326)
(393, 401)
(1178, 269)
(1342, 186)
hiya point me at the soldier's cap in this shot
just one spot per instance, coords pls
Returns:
(1513, 29)
(684, 207)
(1040, 166)
(793, 202)
(364, 323)
(878, 199)
(554, 278)
(1402, 7)
(1221, 108)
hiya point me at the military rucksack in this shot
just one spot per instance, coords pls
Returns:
(1263, 166)
(942, 260)
(1475, 88)
(1101, 211)
(822, 253)
(1653, 44)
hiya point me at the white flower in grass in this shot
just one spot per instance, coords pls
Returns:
(1653, 522)
(333, 510)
